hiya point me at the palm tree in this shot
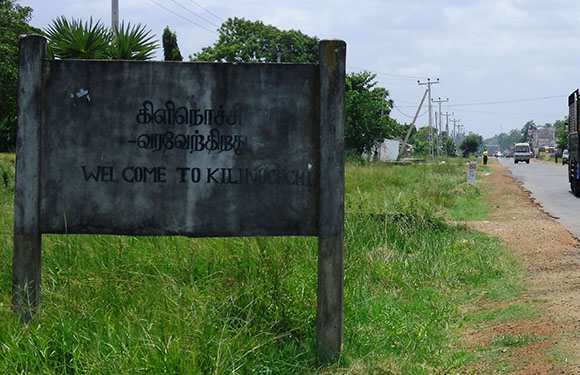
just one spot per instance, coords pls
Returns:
(77, 40)
(132, 43)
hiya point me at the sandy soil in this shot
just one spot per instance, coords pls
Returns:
(552, 258)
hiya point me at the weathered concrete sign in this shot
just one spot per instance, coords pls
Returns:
(195, 149)
(191, 149)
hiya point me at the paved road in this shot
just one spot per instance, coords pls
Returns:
(550, 188)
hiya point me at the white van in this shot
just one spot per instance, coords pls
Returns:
(522, 152)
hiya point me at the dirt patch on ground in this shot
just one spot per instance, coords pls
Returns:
(550, 342)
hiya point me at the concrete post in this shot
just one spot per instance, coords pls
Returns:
(26, 266)
(330, 311)
(115, 17)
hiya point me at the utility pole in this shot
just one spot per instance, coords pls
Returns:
(403, 151)
(446, 114)
(439, 135)
(280, 50)
(461, 128)
(455, 121)
(383, 105)
(447, 135)
(429, 83)
(115, 16)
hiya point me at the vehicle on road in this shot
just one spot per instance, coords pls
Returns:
(573, 146)
(522, 153)
(498, 154)
(565, 157)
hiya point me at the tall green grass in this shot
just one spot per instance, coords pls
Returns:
(126, 305)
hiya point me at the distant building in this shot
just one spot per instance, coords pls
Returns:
(388, 150)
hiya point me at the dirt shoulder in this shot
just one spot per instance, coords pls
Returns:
(550, 255)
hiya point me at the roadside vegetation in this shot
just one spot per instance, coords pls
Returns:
(121, 304)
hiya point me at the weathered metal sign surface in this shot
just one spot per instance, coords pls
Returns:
(153, 148)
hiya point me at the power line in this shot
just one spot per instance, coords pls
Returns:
(387, 74)
(195, 14)
(404, 114)
(169, 15)
(509, 101)
(218, 18)
(490, 103)
(506, 113)
(412, 105)
(180, 16)
(408, 101)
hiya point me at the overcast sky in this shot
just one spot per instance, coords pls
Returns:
(522, 53)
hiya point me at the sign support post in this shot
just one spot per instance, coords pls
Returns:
(26, 265)
(330, 310)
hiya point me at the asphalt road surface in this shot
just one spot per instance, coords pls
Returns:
(549, 186)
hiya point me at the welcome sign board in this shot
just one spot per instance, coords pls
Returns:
(171, 148)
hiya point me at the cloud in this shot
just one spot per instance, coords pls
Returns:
(287, 18)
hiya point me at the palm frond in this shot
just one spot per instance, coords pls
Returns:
(75, 40)
(133, 43)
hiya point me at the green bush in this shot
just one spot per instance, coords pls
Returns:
(7, 134)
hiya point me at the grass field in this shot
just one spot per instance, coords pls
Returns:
(175, 305)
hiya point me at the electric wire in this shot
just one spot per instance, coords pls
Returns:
(496, 102)
(404, 114)
(195, 14)
(185, 18)
(408, 101)
(508, 101)
(506, 113)
(170, 15)
(387, 74)
(217, 17)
